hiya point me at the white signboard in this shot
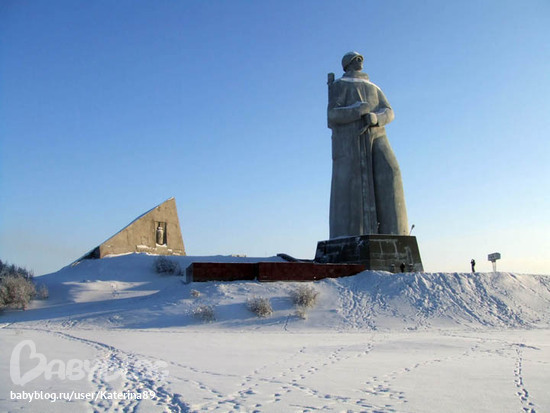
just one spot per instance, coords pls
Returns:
(494, 256)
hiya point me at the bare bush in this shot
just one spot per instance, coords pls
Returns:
(301, 312)
(42, 292)
(16, 292)
(165, 265)
(11, 270)
(204, 313)
(3, 297)
(260, 306)
(304, 296)
(195, 294)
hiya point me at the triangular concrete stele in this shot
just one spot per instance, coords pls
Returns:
(156, 232)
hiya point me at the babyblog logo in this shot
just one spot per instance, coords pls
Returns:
(25, 354)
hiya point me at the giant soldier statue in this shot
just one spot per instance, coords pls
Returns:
(368, 218)
(367, 191)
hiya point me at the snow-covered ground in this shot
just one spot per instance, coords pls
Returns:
(116, 336)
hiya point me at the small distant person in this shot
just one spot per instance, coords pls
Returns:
(402, 266)
(473, 264)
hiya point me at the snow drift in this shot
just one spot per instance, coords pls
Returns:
(126, 292)
(373, 342)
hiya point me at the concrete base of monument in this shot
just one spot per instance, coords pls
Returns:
(394, 253)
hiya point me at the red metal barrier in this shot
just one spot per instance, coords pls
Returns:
(305, 271)
(216, 271)
(269, 271)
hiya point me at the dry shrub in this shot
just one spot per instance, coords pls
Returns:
(16, 292)
(260, 306)
(195, 294)
(165, 265)
(301, 312)
(304, 296)
(7, 270)
(42, 292)
(204, 313)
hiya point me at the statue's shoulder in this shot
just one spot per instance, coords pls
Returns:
(354, 78)
(359, 76)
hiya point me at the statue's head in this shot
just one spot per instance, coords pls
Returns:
(350, 58)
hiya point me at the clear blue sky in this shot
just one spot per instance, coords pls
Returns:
(107, 108)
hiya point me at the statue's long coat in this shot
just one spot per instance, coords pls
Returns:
(367, 191)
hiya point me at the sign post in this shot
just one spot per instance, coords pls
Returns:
(493, 258)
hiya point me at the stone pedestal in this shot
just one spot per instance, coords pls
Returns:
(377, 252)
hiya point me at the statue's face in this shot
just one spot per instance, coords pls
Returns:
(356, 64)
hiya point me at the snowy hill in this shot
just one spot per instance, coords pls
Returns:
(126, 292)
(116, 336)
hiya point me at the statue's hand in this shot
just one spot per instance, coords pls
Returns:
(372, 119)
(363, 108)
